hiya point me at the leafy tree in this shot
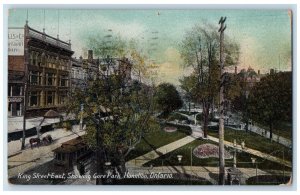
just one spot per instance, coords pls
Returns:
(270, 100)
(187, 84)
(167, 98)
(118, 111)
(200, 50)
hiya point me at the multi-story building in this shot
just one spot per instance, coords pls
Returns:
(40, 73)
(90, 69)
(79, 74)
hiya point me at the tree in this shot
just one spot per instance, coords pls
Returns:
(187, 84)
(270, 100)
(118, 111)
(167, 98)
(200, 50)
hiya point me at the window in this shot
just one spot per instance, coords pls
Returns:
(9, 108)
(37, 59)
(42, 60)
(31, 58)
(64, 81)
(9, 88)
(63, 157)
(16, 90)
(50, 97)
(62, 98)
(59, 156)
(34, 77)
(50, 79)
(19, 110)
(33, 98)
(73, 73)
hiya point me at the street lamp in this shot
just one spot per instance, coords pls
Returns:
(191, 157)
(179, 157)
(81, 116)
(234, 157)
(253, 160)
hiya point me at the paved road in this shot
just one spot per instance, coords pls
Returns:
(30, 158)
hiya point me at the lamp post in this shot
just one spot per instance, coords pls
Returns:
(81, 116)
(247, 117)
(179, 157)
(234, 157)
(191, 157)
(253, 160)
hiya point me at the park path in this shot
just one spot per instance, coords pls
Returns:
(259, 131)
(253, 128)
(254, 152)
(139, 161)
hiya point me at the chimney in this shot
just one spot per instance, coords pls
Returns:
(235, 70)
(90, 55)
(258, 72)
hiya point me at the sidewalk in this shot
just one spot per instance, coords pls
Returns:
(254, 152)
(21, 161)
(255, 129)
(265, 133)
(279, 139)
(139, 161)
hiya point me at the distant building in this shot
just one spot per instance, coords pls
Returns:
(79, 74)
(84, 70)
(248, 78)
(39, 68)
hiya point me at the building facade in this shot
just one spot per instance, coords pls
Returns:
(39, 80)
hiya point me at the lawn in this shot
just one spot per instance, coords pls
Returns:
(175, 116)
(243, 159)
(158, 138)
(256, 142)
(283, 129)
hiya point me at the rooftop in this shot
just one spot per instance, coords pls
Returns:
(49, 39)
(71, 145)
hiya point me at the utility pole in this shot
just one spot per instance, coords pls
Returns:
(25, 99)
(221, 107)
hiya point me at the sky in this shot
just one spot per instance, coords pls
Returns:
(264, 36)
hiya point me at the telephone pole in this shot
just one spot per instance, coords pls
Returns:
(221, 105)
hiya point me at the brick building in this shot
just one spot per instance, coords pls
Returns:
(41, 73)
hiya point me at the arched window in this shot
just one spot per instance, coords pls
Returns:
(43, 59)
(38, 59)
(48, 63)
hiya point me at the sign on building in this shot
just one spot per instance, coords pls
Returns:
(16, 41)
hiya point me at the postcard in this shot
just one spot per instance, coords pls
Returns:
(149, 96)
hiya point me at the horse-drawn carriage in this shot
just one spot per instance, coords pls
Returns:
(38, 142)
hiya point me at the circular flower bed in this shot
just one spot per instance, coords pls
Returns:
(170, 129)
(208, 151)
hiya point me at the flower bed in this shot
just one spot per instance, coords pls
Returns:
(208, 151)
(170, 129)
